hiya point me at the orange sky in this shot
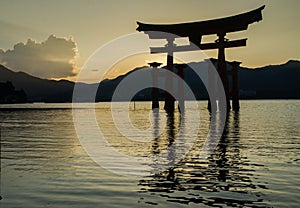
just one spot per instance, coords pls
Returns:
(94, 23)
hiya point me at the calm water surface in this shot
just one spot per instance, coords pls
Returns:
(256, 163)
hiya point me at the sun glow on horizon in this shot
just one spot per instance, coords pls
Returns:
(271, 41)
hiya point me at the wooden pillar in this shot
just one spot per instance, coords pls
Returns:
(211, 84)
(180, 68)
(235, 87)
(222, 69)
(169, 100)
(155, 103)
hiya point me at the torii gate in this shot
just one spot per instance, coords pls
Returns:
(194, 31)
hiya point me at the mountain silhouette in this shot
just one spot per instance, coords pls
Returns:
(36, 89)
(269, 82)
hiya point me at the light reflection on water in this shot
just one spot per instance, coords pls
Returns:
(224, 179)
(256, 163)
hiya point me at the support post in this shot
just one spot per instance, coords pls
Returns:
(169, 100)
(180, 68)
(154, 95)
(222, 69)
(235, 87)
(211, 84)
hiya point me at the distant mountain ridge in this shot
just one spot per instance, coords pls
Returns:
(269, 82)
(274, 81)
(37, 89)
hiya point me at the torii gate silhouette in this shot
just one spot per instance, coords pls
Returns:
(194, 31)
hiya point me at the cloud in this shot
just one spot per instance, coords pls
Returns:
(53, 58)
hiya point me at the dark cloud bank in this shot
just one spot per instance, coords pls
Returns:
(53, 58)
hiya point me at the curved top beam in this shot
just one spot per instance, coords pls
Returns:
(216, 26)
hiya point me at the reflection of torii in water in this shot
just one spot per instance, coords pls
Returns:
(194, 31)
(226, 171)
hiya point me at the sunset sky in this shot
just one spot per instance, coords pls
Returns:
(65, 33)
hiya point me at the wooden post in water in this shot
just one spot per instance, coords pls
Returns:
(235, 88)
(222, 69)
(180, 68)
(169, 100)
(211, 84)
(154, 65)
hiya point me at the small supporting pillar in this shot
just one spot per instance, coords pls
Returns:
(155, 103)
(180, 68)
(211, 85)
(169, 100)
(235, 88)
(222, 69)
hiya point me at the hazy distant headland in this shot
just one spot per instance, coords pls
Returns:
(269, 82)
